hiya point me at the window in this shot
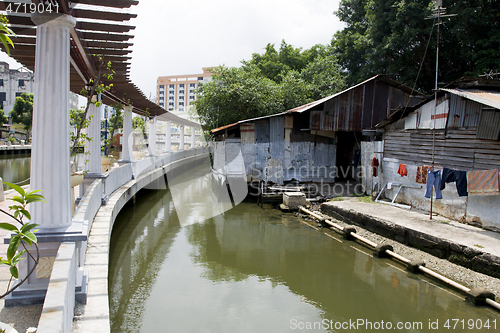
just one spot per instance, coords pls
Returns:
(191, 98)
(181, 98)
(181, 85)
(21, 83)
(171, 98)
(170, 109)
(18, 94)
(171, 86)
(181, 109)
(2, 99)
(162, 98)
(170, 104)
(162, 86)
(162, 105)
(162, 92)
(171, 92)
(200, 78)
(192, 85)
(181, 91)
(1, 82)
(181, 103)
(191, 91)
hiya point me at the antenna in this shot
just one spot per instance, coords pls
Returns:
(438, 12)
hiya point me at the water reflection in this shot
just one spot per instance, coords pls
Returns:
(257, 270)
(15, 168)
(140, 243)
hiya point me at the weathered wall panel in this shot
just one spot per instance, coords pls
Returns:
(220, 156)
(261, 148)
(463, 112)
(459, 149)
(360, 108)
(489, 125)
(234, 158)
(277, 138)
(248, 147)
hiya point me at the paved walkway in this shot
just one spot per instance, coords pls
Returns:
(440, 236)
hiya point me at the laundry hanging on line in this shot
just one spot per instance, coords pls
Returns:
(402, 170)
(375, 165)
(483, 182)
(433, 179)
(457, 176)
(422, 174)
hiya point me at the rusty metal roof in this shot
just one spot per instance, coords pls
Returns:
(99, 31)
(338, 125)
(490, 98)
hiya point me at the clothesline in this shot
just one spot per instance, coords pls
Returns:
(475, 182)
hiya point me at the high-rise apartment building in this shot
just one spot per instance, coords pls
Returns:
(177, 92)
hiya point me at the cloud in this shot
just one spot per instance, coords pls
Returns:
(181, 37)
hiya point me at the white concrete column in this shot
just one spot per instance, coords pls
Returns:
(193, 137)
(94, 131)
(50, 158)
(127, 140)
(168, 137)
(152, 137)
(181, 138)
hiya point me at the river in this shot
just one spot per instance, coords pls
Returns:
(15, 169)
(261, 270)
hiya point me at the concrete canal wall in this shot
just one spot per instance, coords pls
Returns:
(83, 266)
(15, 149)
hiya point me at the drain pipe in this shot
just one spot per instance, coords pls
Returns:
(475, 295)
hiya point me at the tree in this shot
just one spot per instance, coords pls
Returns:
(5, 33)
(269, 83)
(22, 112)
(3, 118)
(235, 94)
(115, 122)
(391, 37)
(96, 86)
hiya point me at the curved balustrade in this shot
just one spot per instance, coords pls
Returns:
(98, 207)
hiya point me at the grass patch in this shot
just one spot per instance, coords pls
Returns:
(366, 198)
(442, 221)
(479, 246)
(337, 199)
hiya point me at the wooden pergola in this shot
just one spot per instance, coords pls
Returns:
(99, 31)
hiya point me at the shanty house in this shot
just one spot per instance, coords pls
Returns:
(461, 128)
(314, 142)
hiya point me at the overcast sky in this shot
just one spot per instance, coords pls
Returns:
(181, 37)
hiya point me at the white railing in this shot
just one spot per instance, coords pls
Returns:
(144, 165)
(116, 178)
(90, 202)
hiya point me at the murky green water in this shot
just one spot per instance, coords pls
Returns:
(15, 168)
(259, 270)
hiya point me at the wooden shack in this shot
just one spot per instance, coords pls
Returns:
(316, 142)
(463, 129)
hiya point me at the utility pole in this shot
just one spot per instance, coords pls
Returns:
(437, 13)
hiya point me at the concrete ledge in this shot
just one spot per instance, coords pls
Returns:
(57, 310)
(437, 244)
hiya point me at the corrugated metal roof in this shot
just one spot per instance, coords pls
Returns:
(311, 105)
(490, 98)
